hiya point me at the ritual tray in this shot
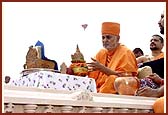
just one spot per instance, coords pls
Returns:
(32, 70)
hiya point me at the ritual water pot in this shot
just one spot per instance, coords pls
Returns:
(127, 84)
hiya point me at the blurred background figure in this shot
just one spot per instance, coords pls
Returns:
(161, 23)
(7, 79)
(158, 106)
(138, 52)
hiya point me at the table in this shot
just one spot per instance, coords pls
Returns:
(58, 81)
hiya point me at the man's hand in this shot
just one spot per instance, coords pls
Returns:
(95, 65)
(148, 92)
(155, 78)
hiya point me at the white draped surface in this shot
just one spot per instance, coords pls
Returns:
(52, 80)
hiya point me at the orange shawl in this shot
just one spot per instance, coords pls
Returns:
(122, 60)
(161, 55)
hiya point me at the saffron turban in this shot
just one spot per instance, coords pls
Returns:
(111, 28)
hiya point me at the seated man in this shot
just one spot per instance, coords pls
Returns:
(158, 106)
(111, 60)
(156, 61)
(138, 52)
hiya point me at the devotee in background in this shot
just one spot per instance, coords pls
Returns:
(115, 58)
(158, 106)
(156, 46)
(138, 52)
(156, 59)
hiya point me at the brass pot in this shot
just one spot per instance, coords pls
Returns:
(126, 84)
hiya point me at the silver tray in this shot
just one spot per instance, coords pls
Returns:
(32, 70)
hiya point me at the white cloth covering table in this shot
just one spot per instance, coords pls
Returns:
(58, 81)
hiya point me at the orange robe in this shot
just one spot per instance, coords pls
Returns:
(161, 55)
(122, 60)
(158, 106)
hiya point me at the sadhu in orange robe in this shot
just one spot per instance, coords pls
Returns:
(122, 60)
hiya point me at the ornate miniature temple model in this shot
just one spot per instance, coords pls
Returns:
(78, 65)
(34, 60)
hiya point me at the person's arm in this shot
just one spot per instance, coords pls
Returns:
(95, 65)
(161, 91)
(149, 92)
(141, 59)
(156, 78)
(108, 71)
